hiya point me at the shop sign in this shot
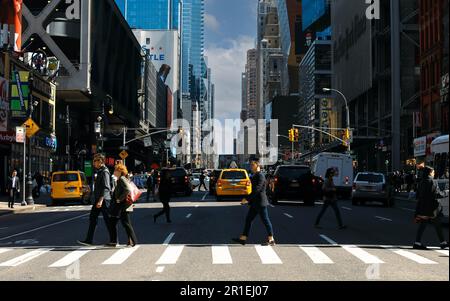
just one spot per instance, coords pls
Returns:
(4, 104)
(420, 146)
(7, 137)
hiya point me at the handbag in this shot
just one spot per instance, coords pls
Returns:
(134, 195)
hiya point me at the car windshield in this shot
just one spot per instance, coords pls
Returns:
(72, 177)
(177, 173)
(371, 178)
(292, 172)
(233, 175)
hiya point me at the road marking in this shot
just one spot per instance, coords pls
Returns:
(170, 255)
(329, 240)
(221, 255)
(346, 208)
(383, 218)
(71, 257)
(271, 205)
(189, 215)
(410, 255)
(159, 270)
(316, 255)
(288, 215)
(24, 258)
(407, 209)
(268, 255)
(3, 228)
(66, 209)
(168, 239)
(4, 250)
(445, 252)
(47, 226)
(203, 198)
(196, 206)
(362, 255)
(120, 256)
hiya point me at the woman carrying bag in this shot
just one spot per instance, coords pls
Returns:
(428, 210)
(121, 207)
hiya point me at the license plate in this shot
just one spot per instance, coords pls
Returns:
(295, 185)
(369, 188)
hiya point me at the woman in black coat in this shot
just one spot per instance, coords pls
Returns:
(427, 210)
(164, 191)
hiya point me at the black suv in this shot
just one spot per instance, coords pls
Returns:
(179, 181)
(213, 177)
(294, 182)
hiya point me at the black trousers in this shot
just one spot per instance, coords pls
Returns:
(263, 213)
(12, 197)
(436, 223)
(202, 183)
(93, 218)
(120, 212)
(165, 210)
(333, 205)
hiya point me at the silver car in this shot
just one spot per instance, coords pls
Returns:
(371, 186)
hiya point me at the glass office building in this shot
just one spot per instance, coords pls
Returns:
(150, 14)
(314, 10)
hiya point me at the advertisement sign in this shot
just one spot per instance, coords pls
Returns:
(7, 137)
(88, 168)
(420, 146)
(20, 92)
(4, 104)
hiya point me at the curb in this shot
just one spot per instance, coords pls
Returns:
(21, 209)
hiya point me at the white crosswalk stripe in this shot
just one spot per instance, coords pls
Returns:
(4, 250)
(170, 255)
(268, 255)
(316, 255)
(24, 258)
(362, 255)
(410, 255)
(120, 256)
(71, 257)
(221, 255)
(445, 252)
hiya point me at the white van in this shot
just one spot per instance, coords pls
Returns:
(342, 164)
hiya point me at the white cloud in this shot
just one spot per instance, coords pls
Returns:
(211, 23)
(227, 64)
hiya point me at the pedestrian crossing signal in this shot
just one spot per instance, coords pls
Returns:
(291, 135)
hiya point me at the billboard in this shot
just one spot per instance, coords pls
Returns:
(4, 104)
(20, 92)
(352, 47)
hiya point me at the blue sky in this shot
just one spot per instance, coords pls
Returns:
(230, 30)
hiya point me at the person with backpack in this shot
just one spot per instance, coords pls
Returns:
(428, 209)
(102, 199)
(330, 199)
(121, 207)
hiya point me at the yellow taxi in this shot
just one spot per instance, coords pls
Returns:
(233, 183)
(69, 186)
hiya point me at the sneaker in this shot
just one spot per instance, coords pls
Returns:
(84, 243)
(269, 243)
(419, 246)
(444, 245)
(112, 245)
(240, 241)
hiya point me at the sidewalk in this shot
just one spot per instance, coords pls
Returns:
(40, 202)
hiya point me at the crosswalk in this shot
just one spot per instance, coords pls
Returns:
(224, 255)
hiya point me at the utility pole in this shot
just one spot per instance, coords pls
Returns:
(68, 138)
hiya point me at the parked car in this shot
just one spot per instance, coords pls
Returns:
(233, 183)
(180, 181)
(69, 186)
(372, 186)
(215, 174)
(294, 182)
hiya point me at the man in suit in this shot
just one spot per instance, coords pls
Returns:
(13, 188)
(258, 205)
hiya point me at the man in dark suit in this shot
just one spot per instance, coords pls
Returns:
(258, 205)
(12, 188)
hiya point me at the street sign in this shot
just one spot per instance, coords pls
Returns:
(123, 154)
(20, 134)
(124, 147)
(148, 141)
(88, 168)
(32, 127)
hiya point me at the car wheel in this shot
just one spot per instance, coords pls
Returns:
(219, 199)
(54, 203)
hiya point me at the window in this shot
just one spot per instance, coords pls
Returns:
(147, 41)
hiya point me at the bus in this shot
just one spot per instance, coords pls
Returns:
(439, 150)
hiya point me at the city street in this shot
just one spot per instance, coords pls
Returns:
(197, 246)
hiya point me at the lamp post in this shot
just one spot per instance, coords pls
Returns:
(346, 108)
(29, 189)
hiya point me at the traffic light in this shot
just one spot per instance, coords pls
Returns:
(291, 135)
(296, 135)
(347, 134)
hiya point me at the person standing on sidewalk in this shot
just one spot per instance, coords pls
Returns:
(12, 188)
(330, 199)
(119, 207)
(164, 191)
(258, 206)
(102, 199)
(428, 208)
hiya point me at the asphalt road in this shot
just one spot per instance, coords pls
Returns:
(196, 246)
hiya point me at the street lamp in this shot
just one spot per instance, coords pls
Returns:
(29, 189)
(346, 108)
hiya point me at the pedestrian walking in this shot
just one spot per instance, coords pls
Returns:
(330, 199)
(428, 209)
(120, 208)
(202, 181)
(258, 205)
(164, 192)
(102, 199)
(150, 186)
(13, 188)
